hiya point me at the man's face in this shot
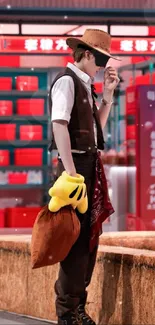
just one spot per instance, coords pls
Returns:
(94, 61)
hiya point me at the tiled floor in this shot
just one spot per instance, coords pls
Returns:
(14, 319)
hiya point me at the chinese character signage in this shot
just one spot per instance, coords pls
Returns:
(130, 46)
(47, 45)
(146, 165)
(57, 45)
(135, 46)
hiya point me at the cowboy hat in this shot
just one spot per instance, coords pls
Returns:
(95, 39)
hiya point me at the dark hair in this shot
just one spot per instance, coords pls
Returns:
(79, 52)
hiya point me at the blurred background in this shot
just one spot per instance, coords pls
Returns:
(32, 51)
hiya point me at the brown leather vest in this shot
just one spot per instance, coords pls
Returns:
(81, 128)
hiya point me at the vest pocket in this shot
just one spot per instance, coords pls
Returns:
(82, 140)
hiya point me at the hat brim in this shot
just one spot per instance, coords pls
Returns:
(73, 43)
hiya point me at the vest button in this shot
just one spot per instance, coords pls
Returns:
(89, 148)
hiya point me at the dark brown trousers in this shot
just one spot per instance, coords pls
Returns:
(77, 268)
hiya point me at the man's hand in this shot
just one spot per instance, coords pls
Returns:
(111, 79)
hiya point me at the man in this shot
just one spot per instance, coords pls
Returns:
(77, 129)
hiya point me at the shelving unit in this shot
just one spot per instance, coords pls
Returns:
(21, 168)
(22, 143)
(113, 128)
(23, 94)
(114, 121)
(144, 66)
(19, 120)
(23, 186)
(147, 66)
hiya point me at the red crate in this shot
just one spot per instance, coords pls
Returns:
(6, 108)
(4, 158)
(17, 178)
(99, 87)
(8, 132)
(5, 83)
(21, 217)
(31, 132)
(2, 218)
(134, 223)
(27, 83)
(30, 107)
(131, 132)
(28, 157)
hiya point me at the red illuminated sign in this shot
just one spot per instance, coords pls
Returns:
(47, 45)
(57, 45)
(133, 46)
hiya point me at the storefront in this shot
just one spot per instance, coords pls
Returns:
(32, 51)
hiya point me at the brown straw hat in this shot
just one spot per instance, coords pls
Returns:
(95, 39)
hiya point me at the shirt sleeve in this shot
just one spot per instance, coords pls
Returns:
(62, 96)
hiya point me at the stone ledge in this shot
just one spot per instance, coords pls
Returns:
(121, 291)
(132, 239)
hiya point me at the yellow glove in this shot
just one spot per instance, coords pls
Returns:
(68, 190)
(82, 206)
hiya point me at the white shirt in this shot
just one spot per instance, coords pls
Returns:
(63, 95)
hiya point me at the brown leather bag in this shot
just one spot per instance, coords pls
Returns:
(53, 236)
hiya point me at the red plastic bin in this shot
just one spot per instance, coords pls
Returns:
(27, 83)
(17, 178)
(31, 132)
(134, 223)
(30, 106)
(4, 158)
(6, 108)
(21, 217)
(7, 132)
(131, 132)
(98, 87)
(28, 157)
(5, 83)
(2, 218)
(131, 100)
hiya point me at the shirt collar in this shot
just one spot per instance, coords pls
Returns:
(80, 74)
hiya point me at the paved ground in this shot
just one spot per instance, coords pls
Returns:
(14, 319)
